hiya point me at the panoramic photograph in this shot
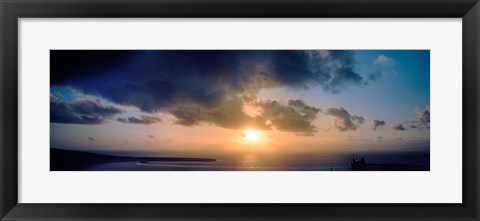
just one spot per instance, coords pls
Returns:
(240, 110)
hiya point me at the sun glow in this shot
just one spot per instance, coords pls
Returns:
(251, 134)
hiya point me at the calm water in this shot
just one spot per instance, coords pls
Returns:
(258, 162)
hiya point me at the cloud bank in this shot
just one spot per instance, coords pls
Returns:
(293, 116)
(206, 87)
(155, 80)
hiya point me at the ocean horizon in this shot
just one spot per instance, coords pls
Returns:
(262, 161)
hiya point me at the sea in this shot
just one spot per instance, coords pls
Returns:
(267, 162)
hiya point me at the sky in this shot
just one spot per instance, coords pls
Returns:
(273, 101)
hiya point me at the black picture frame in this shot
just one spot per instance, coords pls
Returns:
(12, 10)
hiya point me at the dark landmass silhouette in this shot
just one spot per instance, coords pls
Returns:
(388, 167)
(71, 160)
(362, 165)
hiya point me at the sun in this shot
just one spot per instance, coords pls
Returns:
(251, 134)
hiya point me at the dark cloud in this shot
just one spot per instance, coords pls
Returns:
(423, 118)
(91, 138)
(66, 65)
(359, 119)
(399, 127)
(376, 124)
(142, 120)
(80, 112)
(158, 80)
(151, 136)
(343, 120)
(308, 112)
(334, 70)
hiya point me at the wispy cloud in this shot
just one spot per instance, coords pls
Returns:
(144, 119)
(81, 112)
(384, 60)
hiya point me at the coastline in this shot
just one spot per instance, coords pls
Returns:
(71, 160)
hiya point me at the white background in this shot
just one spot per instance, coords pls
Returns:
(443, 184)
